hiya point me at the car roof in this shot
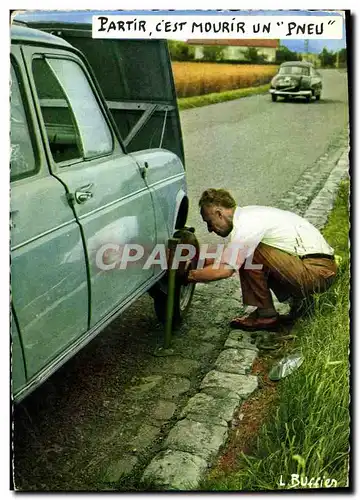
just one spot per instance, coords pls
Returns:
(22, 33)
(304, 64)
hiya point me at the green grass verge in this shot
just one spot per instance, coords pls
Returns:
(308, 432)
(216, 97)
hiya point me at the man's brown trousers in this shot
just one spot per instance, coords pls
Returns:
(286, 275)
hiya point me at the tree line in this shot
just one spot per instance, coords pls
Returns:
(181, 51)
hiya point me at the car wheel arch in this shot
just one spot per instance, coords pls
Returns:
(182, 210)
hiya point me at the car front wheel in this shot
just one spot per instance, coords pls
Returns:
(273, 97)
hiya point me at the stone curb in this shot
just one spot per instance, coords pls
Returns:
(195, 440)
(320, 208)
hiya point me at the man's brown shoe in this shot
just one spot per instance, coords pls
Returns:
(251, 323)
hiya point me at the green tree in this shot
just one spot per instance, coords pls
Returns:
(284, 54)
(213, 53)
(327, 58)
(180, 51)
(251, 54)
(342, 58)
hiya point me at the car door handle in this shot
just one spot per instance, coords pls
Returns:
(83, 194)
(12, 214)
(143, 169)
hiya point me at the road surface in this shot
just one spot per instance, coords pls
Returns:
(258, 149)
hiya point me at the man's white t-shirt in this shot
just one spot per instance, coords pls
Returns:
(274, 227)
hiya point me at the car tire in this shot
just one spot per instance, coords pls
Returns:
(273, 97)
(183, 293)
(308, 98)
(318, 96)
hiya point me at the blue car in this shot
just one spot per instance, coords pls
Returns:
(97, 167)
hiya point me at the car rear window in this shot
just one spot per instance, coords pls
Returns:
(75, 125)
(294, 70)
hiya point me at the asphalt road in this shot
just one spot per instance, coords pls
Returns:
(258, 149)
(255, 148)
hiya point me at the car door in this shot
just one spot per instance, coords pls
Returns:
(105, 186)
(316, 82)
(49, 291)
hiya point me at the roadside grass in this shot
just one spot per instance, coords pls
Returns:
(308, 431)
(217, 97)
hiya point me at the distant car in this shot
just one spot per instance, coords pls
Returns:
(296, 79)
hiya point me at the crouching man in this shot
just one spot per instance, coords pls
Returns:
(272, 249)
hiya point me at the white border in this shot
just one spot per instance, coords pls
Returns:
(4, 198)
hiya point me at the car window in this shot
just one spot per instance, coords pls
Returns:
(22, 158)
(75, 125)
(293, 70)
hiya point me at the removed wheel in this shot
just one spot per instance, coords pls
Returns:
(183, 293)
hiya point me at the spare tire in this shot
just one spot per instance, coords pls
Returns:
(183, 293)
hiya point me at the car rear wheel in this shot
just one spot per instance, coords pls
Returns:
(273, 97)
(183, 293)
(317, 97)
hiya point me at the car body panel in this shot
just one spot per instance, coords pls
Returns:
(296, 79)
(49, 294)
(167, 190)
(120, 212)
(61, 299)
(18, 374)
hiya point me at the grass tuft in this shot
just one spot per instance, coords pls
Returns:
(217, 97)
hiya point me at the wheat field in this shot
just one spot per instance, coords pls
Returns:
(192, 79)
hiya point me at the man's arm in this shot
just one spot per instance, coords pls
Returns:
(208, 273)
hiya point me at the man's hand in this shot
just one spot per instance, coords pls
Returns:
(209, 274)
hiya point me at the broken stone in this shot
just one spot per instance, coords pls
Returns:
(235, 360)
(175, 470)
(174, 365)
(164, 410)
(173, 387)
(220, 393)
(145, 437)
(198, 438)
(147, 384)
(200, 351)
(116, 470)
(207, 334)
(242, 385)
(241, 340)
(207, 409)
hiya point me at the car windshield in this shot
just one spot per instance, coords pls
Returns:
(294, 70)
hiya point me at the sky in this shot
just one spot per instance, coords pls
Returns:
(315, 46)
